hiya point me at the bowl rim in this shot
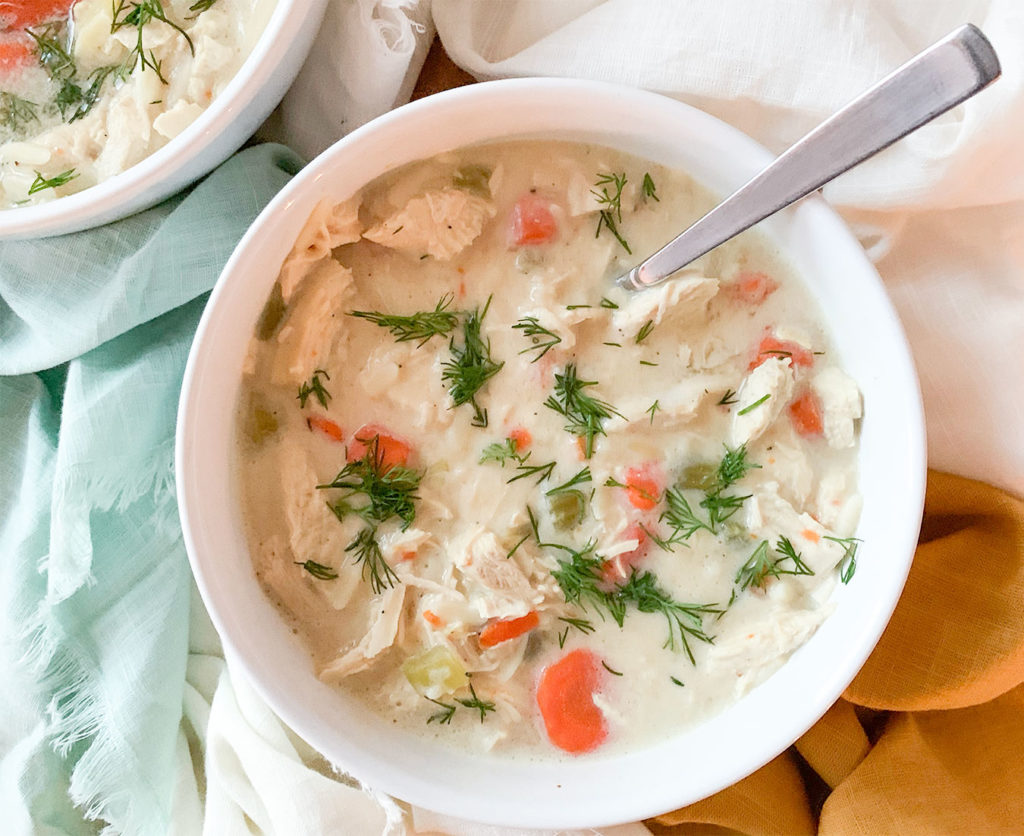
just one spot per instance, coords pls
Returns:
(545, 809)
(159, 175)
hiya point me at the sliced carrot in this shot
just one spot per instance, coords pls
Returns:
(581, 448)
(521, 438)
(811, 534)
(504, 629)
(565, 696)
(805, 413)
(642, 488)
(752, 288)
(391, 450)
(326, 426)
(22, 13)
(15, 51)
(532, 221)
(432, 618)
(772, 346)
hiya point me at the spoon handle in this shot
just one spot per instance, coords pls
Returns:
(925, 87)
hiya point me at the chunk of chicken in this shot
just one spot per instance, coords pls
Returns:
(761, 398)
(309, 331)
(682, 301)
(495, 585)
(840, 405)
(440, 223)
(383, 632)
(330, 225)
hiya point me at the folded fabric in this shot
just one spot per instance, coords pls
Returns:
(928, 736)
(94, 332)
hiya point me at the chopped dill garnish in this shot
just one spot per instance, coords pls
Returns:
(754, 405)
(613, 345)
(541, 338)
(418, 326)
(610, 670)
(515, 548)
(585, 413)
(501, 452)
(577, 307)
(728, 398)
(611, 215)
(367, 553)
(16, 112)
(677, 682)
(315, 387)
(848, 563)
(471, 365)
(608, 303)
(41, 183)
(644, 332)
(127, 13)
(654, 407)
(473, 701)
(52, 50)
(443, 717)
(680, 518)
(760, 565)
(318, 570)
(569, 486)
(584, 625)
(525, 471)
(647, 363)
(647, 188)
(581, 579)
(733, 467)
(685, 621)
(201, 6)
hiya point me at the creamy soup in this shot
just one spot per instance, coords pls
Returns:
(89, 88)
(514, 507)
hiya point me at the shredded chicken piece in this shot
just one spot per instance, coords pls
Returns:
(382, 634)
(330, 225)
(440, 223)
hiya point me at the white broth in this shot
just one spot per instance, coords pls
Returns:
(516, 508)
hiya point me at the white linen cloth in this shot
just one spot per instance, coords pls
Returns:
(942, 213)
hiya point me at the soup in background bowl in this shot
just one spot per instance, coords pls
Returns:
(437, 745)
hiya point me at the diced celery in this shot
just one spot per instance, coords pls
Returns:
(701, 477)
(435, 672)
(566, 509)
(261, 425)
(474, 178)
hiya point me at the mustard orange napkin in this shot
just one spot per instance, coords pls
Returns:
(929, 738)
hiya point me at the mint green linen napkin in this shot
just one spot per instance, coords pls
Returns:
(94, 581)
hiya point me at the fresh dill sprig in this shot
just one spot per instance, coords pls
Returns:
(473, 701)
(608, 303)
(610, 669)
(733, 467)
(418, 326)
(728, 398)
(315, 387)
(644, 332)
(74, 102)
(584, 625)
(471, 365)
(541, 339)
(443, 717)
(754, 405)
(525, 471)
(680, 518)
(127, 14)
(721, 507)
(685, 621)
(501, 452)
(367, 553)
(761, 565)
(581, 579)
(201, 6)
(52, 50)
(848, 563)
(41, 183)
(585, 414)
(654, 407)
(611, 215)
(16, 112)
(579, 478)
(647, 188)
(318, 570)
(389, 491)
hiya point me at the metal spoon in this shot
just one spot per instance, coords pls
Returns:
(928, 85)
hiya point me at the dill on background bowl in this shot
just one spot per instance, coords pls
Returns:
(560, 792)
(220, 130)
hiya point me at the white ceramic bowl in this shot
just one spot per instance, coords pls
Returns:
(220, 130)
(681, 768)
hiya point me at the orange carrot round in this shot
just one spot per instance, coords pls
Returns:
(642, 488)
(772, 346)
(501, 630)
(752, 288)
(521, 438)
(565, 696)
(532, 221)
(18, 15)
